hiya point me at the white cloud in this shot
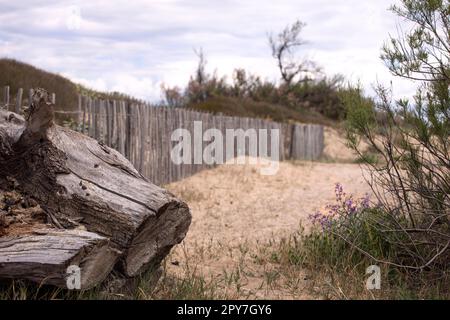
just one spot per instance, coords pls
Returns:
(133, 46)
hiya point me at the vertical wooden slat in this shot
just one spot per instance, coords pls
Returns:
(135, 134)
(30, 96)
(80, 114)
(127, 135)
(91, 118)
(6, 96)
(19, 101)
(109, 115)
(103, 121)
(83, 121)
(143, 138)
(95, 118)
(114, 124)
(122, 126)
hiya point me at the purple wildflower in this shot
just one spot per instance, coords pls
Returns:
(339, 191)
(321, 219)
(365, 202)
(344, 206)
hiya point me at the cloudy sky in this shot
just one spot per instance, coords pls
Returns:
(134, 46)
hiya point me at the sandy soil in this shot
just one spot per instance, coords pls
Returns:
(235, 210)
(234, 203)
(336, 148)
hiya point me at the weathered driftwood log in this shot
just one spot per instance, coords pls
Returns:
(45, 255)
(81, 182)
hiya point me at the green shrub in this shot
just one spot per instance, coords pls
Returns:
(350, 235)
(411, 137)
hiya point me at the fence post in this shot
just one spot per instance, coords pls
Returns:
(80, 116)
(114, 125)
(95, 117)
(6, 96)
(19, 100)
(30, 96)
(120, 127)
(83, 103)
(128, 124)
(91, 117)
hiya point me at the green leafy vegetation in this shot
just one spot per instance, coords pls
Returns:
(408, 232)
(303, 93)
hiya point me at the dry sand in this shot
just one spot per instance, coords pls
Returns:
(235, 210)
(336, 148)
(234, 203)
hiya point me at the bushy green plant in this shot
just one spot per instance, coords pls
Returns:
(348, 236)
(344, 235)
(411, 137)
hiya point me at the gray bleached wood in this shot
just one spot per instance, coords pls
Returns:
(79, 181)
(44, 255)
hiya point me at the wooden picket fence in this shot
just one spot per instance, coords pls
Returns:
(142, 133)
(16, 102)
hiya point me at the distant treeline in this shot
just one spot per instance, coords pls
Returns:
(303, 93)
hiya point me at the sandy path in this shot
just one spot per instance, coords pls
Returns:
(233, 206)
(236, 203)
